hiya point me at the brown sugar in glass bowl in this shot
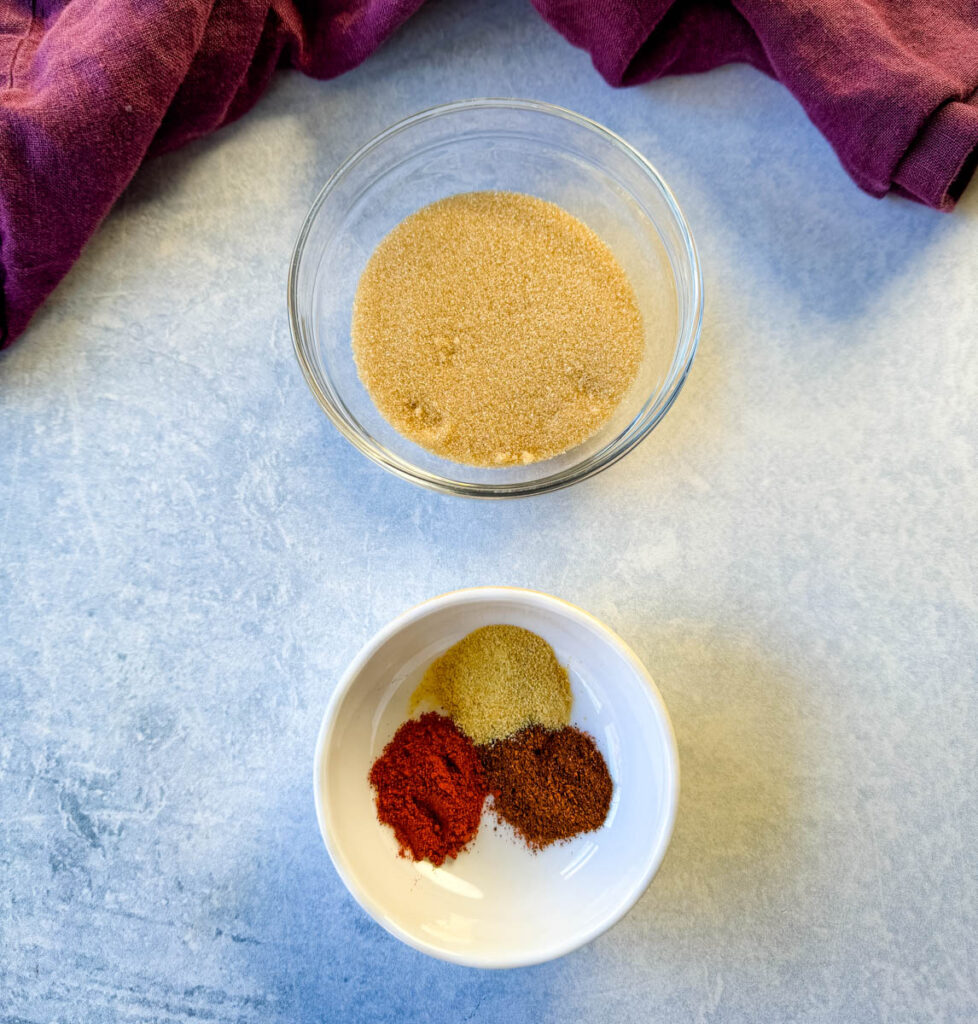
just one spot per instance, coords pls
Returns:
(512, 146)
(494, 328)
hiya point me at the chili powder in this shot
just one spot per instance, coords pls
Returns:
(430, 787)
(548, 785)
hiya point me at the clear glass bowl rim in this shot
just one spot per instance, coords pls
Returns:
(651, 413)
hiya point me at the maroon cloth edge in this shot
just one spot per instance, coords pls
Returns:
(89, 88)
(891, 84)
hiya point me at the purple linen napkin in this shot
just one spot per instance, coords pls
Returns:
(892, 84)
(89, 88)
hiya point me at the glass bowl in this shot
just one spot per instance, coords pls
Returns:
(508, 145)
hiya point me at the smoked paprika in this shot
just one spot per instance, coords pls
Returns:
(429, 787)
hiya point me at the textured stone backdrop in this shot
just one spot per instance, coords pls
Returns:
(190, 554)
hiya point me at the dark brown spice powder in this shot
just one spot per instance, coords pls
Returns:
(548, 785)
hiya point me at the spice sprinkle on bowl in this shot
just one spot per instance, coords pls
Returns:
(502, 687)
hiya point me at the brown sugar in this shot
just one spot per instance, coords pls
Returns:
(494, 329)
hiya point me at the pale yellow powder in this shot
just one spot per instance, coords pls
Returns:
(494, 328)
(497, 680)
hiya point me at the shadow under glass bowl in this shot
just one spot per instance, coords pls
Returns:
(507, 145)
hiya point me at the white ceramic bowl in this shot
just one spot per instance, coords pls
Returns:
(498, 904)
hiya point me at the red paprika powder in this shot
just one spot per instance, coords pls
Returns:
(430, 787)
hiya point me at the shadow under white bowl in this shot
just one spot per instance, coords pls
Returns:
(498, 904)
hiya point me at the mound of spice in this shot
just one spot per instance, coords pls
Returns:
(549, 786)
(494, 328)
(497, 680)
(429, 787)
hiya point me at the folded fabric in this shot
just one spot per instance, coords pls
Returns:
(89, 88)
(892, 84)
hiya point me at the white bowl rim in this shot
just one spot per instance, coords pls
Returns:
(570, 611)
